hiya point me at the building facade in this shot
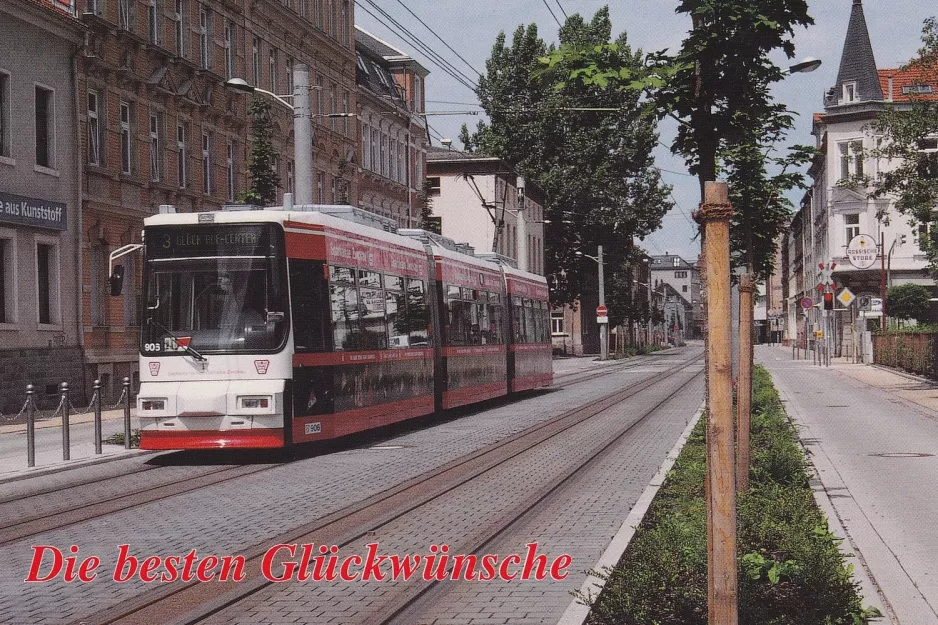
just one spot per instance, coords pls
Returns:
(40, 215)
(482, 202)
(837, 208)
(159, 126)
(394, 140)
(684, 278)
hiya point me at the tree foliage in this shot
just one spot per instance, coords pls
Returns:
(595, 166)
(914, 181)
(908, 301)
(264, 178)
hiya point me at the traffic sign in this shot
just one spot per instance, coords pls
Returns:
(846, 297)
(602, 319)
(807, 303)
(601, 311)
(862, 251)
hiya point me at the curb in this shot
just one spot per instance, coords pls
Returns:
(904, 374)
(576, 613)
(73, 419)
(50, 469)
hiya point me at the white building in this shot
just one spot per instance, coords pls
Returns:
(838, 207)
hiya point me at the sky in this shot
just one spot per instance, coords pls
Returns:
(471, 26)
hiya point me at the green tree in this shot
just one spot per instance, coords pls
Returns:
(595, 166)
(425, 202)
(264, 178)
(908, 301)
(914, 183)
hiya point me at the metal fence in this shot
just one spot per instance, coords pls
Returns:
(66, 410)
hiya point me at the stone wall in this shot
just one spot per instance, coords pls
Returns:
(45, 369)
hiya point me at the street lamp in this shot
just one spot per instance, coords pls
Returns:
(808, 64)
(598, 259)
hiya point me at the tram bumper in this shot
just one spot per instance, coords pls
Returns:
(211, 414)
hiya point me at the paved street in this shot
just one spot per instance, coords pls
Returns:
(873, 439)
(229, 517)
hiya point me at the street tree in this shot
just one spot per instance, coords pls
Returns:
(910, 139)
(264, 178)
(588, 148)
(908, 301)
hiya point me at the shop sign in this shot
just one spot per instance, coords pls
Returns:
(28, 211)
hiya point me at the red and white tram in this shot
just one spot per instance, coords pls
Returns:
(273, 327)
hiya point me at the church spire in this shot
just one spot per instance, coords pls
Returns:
(857, 79)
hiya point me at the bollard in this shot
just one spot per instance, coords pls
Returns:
(66, 445)
(97, 416)
(30, 427)
(126, 413)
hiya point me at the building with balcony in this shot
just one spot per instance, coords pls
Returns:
(684, 279)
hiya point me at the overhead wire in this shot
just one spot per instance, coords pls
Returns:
(402, 31)
(433, 32)
(551, 11)
(565, 16)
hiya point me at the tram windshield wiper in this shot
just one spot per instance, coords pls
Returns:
(189, 350)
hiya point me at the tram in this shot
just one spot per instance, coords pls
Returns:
(268, 328)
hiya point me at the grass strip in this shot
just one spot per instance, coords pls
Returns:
(791, 569)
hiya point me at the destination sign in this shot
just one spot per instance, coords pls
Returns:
(192, 241)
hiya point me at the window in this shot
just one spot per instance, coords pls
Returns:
(204, 32)
(345, 25)
(229, 50)
(319, 13)
(153, 20)
(680, 274)
(94, 129)
(371, 296)
(556, 323)
(309, 294)
(291, 187)
(45, 127)
(402, 163)
(319, 108)
(928, 162)
(125, 14)
(182, 155)
(343, 297)
(384, 155)
(375, 144)
(7, 279)
(345, 110)
(255, 60)
(392, 157)
(289, 67)
(366, 147)
(851, 159)
(272, 70)
(433, 184)
(332, 105)
(852, 224)
(684, 288)
(125, 137)
(917, 89)
(206, 163)
(47, 283)
(180, 30)
(94, 7)
(6, 148)
(155, 153)
(335, 191)
(850, 92)
(229, 164)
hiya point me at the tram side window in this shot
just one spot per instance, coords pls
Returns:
(396, 310)
(418, 312)
(517, 311)
(345, 311)
(309, 291)
(494, 333)
(457, 322)
(530, 322)
(545, 323)
(371, 297)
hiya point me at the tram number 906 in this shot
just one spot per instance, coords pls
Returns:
(152, 347)
(312, 428)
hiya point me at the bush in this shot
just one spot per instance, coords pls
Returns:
(791, 569)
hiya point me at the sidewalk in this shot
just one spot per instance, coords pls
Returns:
(872, 435)
(13, 453)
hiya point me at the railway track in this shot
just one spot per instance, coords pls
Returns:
(186, 604)
(51, 514)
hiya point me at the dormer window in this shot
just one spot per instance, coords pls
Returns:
(850, 92)
(917, 90)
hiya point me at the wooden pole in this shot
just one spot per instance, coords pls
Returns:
(714, 215)
(744, 382)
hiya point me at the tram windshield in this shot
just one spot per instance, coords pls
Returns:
(213, 289)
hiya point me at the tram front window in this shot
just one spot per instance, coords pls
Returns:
(217, 305)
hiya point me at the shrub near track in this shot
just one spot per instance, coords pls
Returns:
(791, 569)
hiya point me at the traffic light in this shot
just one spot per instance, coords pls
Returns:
(828, 301)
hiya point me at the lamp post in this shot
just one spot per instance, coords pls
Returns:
(598, 259)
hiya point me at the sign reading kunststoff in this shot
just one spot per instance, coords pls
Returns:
(862, 251)
(28, 211)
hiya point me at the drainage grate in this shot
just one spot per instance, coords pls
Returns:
(903, 454)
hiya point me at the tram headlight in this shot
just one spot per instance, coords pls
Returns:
(255, 402)
(153, 404)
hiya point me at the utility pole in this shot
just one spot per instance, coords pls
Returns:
(603, 344)
(882, 278)
(303, 135)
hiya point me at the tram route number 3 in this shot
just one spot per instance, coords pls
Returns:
(312, 428)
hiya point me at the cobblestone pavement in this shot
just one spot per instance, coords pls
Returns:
(227, 518)
(876, 455)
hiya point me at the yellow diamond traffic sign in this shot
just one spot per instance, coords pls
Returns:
(846, 298)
